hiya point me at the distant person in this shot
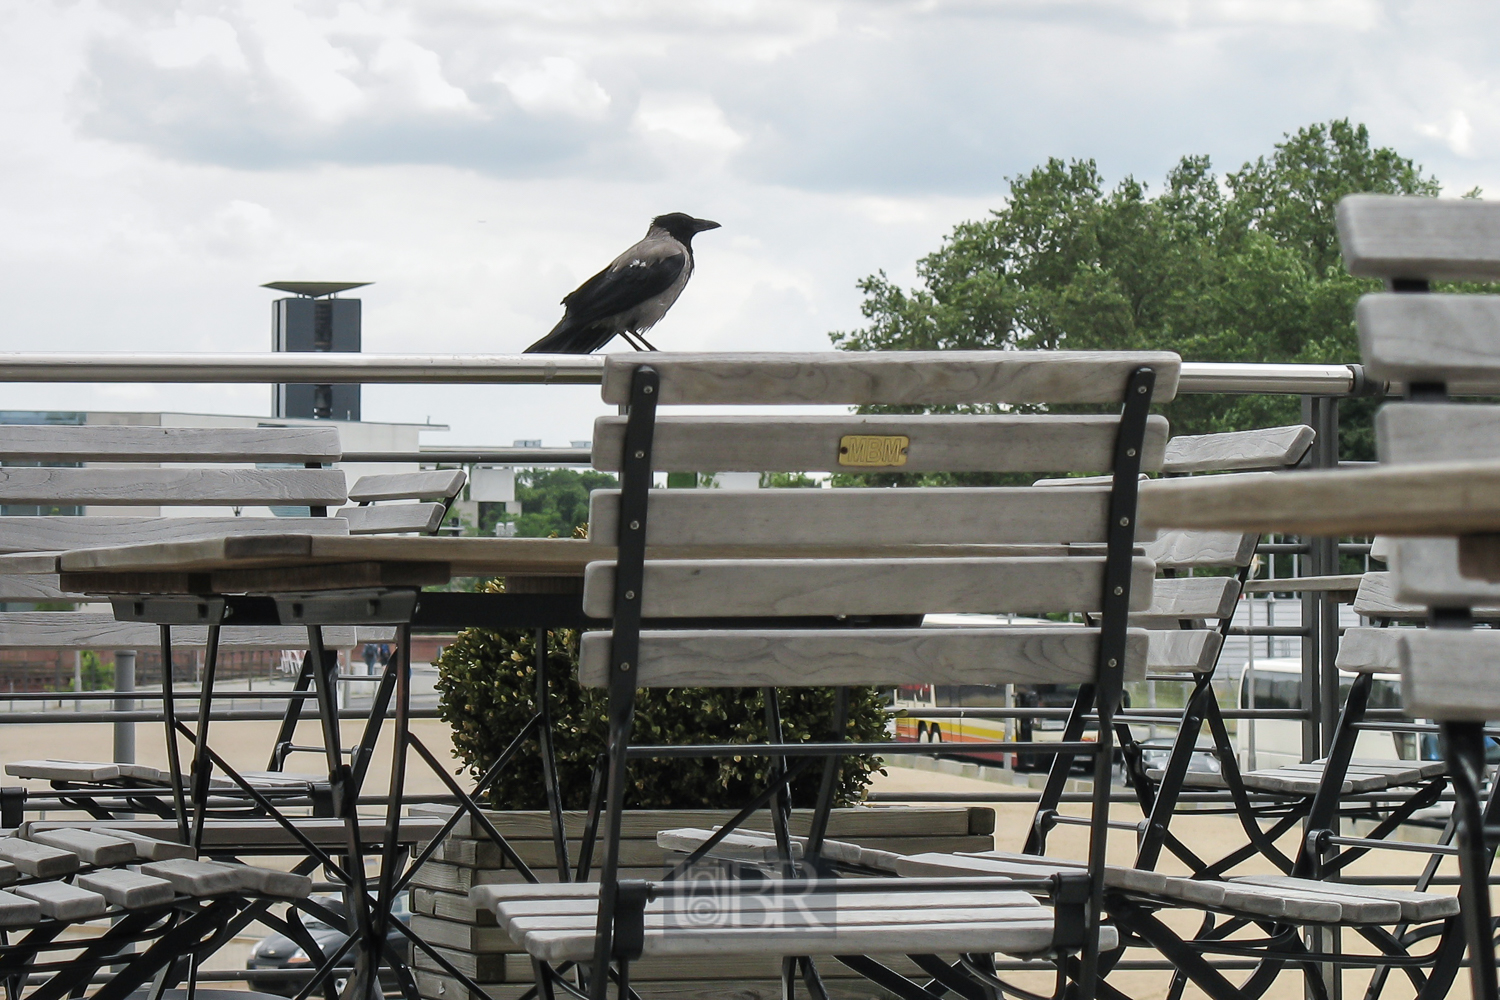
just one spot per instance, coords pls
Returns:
(385, 654)
(371, 651)
(630, 295)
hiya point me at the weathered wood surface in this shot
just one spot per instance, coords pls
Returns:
(296, 579)
(999, 443)
(1394, 236)
(1194, 549)
(979, 515)
(1363, 775)
(1446, 338)
(17, 911)
(394, 518)
(823, 658)
(1415, 906)
(467, 556)
(1264, 448)
(1022, 866)
(208, 878)
(35, 587)
(1443, 572)
(1370, 650)
(1450, 498)
(62, 901)
(1342, 583)
(1408, 433)
(38, 860)
(897, 377)
(172, 487)
(92, 630)
(437, 484)
(1376, 598)
(1194, 597)
(1023, 585)
(247, 834)
(93, 848)
(1449, 674)
(1183, 650)
(131, 890)
(103, 443)
(56, 534)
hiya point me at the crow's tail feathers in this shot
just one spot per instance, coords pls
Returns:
(567, 338)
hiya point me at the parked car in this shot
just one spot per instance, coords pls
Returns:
(1156, 752)
(280, 952)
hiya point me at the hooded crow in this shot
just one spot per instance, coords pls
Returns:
(631, 294)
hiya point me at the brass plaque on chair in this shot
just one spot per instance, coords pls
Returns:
(873, 451)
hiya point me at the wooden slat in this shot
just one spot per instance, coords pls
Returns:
(1449, 674)
(1192, 651)
(62, 901)
(438, 484)
(102, 443)
(1394, 236)
(17, 911)
(1001, 443)
(131, 890)
(172, 487)
(1194, 549)
(1342, 583)
(249, 835)
(900, 377)
(93, 848)
(1437, 432)
(394, 518)
(936, 865)
(1415, 906)
(1438, 572)
(90, 630)
(1194, 597)
(57, 533)
(1264, 448)
(1437, 499)
(1023, 585)
(38, 587)
(831, 657)
(1017, 515)
(1376, 598)
(1370, 650)
(38, 860)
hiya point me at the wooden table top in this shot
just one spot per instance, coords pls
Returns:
(295, 562)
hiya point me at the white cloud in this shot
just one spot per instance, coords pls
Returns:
(194, 38)
(1455, 130)
(418, 74)
(555, 85)
(692, 119)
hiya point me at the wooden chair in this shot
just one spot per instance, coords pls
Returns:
(1436, 479)
(182, 467)
(862, 555)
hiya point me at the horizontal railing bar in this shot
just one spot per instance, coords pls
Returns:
(453, 369)
(147, 694)
(481, 456)
(1391, 845)
(240, 715)
(514, 369)
(839, 749)
(1200, 798)
(999, 712)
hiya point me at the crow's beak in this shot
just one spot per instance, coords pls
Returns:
(701, 225)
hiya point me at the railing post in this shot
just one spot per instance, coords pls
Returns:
(124, 682)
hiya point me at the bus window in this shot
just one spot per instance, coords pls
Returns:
(1278, 691)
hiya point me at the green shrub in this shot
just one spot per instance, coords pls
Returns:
(486, 683)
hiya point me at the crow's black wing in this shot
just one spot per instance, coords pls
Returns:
(616, 289)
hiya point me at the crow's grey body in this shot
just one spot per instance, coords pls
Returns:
(630, 295)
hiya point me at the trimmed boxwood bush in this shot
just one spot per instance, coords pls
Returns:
(486, 683)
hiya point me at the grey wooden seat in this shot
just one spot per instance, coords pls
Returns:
(1438, 467)
(857, 556)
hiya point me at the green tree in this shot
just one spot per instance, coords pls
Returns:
(1240, 269)
(554, 501)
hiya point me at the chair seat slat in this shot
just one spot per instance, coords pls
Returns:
(172, 487)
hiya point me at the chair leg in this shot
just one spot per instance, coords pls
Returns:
(169, 716)
(549, 758)
(1463, 746)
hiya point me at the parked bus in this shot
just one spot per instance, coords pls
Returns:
(954, 733)
(1278, 742)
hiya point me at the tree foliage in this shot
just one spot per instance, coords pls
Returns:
(555, 501)
(1243, 268)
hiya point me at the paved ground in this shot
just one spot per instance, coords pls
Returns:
(246, 744)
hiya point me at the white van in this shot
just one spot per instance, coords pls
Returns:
(1278, 742)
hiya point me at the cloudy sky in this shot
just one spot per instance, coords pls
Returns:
(476, 159)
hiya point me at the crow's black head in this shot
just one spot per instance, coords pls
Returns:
(681, 226)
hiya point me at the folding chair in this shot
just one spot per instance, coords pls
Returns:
(774, 560)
